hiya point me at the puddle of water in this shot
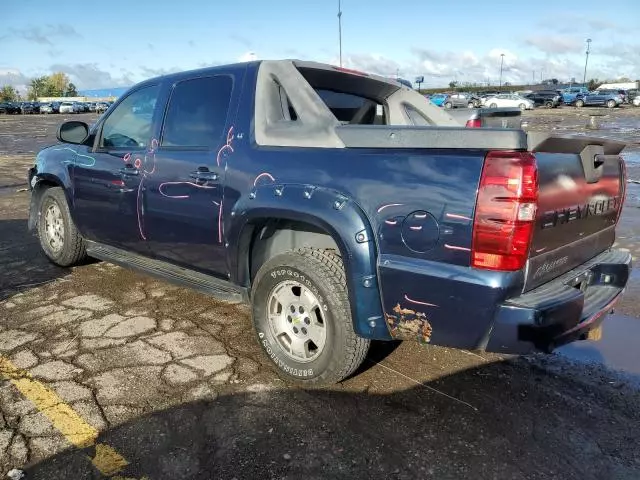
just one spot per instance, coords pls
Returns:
(617, 350)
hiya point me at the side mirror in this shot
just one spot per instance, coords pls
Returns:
(73, 132)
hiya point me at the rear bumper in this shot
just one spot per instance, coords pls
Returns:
(563, 310)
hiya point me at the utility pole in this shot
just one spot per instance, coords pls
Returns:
(501, 64)
(340, 28)
(586, 61)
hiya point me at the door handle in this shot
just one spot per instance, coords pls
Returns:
(129, 171)
(203, 174)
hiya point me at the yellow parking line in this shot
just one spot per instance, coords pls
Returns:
(64, 418)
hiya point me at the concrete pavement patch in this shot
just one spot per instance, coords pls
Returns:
(129, 385)
(63, 317)
(178, 375)
(132, 354)
(182, 345)
(24, 359)
(10, 339)
(131, 327)
(98, 326)
(89, 302)
(55, 370)
(71, 391)
(208, 364)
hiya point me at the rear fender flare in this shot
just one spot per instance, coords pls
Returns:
(338, 216)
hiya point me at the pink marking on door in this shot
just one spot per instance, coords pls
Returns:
(455, 216)
(389, 205)
(263, 175)
(419, 303)
(220, 223)
(455, 247)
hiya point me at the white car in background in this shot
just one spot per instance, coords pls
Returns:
(636, 101)
(508, 100)
(68, 107)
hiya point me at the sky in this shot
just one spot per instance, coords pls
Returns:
(121, 42)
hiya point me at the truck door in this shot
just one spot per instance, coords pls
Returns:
(185, 198)
(109, 176)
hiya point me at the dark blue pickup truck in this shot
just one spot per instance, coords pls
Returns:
(344, 208)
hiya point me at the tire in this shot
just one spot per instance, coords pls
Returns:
(277, 289)
(579, 103)
(448, 105)
(67, 248)
(493, 105)
(549, 104)
(471, 105)
(611, 104)
(522, 107)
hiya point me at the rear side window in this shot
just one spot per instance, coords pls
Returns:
(350, 108)
(197, 112)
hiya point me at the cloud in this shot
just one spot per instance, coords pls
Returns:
(191, 43)
(556, 44)
(43, 35)
(89, 76)
(13, 77)
(248, 57)
(148, 72)
(150, 46)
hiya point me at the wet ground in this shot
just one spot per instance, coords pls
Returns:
(117, 375)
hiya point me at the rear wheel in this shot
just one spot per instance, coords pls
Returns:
(448, 105)
(522, 107)
(611, 103)
(302, 316)
(470, 105)
(59, 238)
(579, 103)
(493, 105)
(549, 104)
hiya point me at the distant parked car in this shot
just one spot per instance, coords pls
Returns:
(29, 108)
(438, 99)
(571, 94)
(636, 101)
(544, 98)
(46, 108)
(509, 100)
(459, 100)
(608, 98)
(68, 107)
(101, 107)
(9, 108)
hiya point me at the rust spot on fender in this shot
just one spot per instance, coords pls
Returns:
(408, 324)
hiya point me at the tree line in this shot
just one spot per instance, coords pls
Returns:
(55, 85)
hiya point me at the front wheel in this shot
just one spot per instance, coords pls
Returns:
(493, 105)
(522, 107)
(302, 317)
(471, 105)
(611, 103)
(59, 238)
(579, 103)
(448, 105)
(549, 104)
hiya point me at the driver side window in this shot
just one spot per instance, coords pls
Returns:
(129, 125)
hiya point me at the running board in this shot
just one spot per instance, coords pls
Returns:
(218, 288)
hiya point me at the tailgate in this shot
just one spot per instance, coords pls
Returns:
(581, 190)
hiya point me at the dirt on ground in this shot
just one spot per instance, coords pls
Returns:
(175, 386)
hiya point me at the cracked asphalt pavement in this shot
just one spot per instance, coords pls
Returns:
(106, 373)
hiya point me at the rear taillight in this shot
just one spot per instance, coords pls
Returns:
(505, 211)
(474, 123)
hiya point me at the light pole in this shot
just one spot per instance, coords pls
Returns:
(501, 64)
(586, 61)
(340, 29)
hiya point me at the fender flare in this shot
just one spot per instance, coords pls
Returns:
(338, 216)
